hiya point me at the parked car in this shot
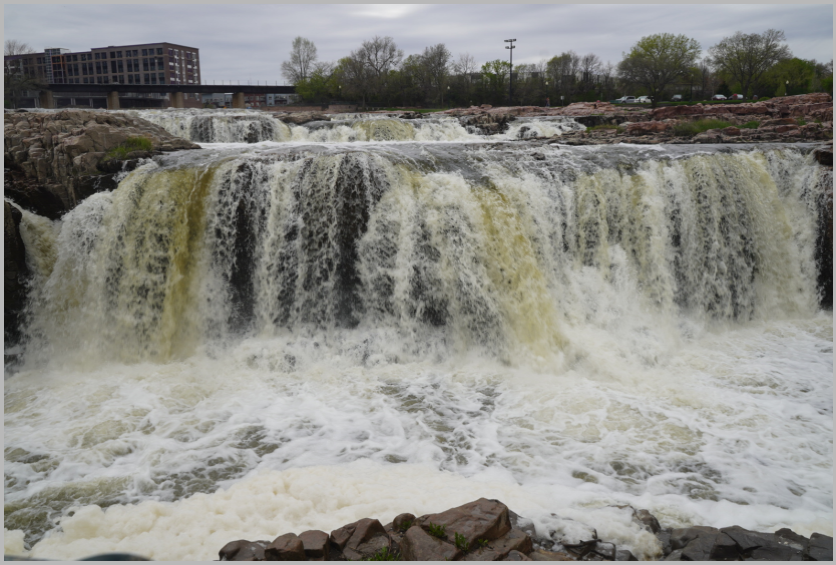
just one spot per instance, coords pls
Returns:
(718, 97)
(643, 100)
(625, 100)
(676, 98)
(736, 97)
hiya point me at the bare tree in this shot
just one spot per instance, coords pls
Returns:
(747, 57)
(302, 59)
(355, 75)
(16, 82)
(14, 47)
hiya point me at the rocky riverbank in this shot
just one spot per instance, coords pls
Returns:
(54, 160)
(487, 530)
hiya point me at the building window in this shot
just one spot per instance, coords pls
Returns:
(145, 52)
(121, 79)
(120, 67)
(145, 64)
(147, 78)
(162, 78)
(118, 54)
(159, 50)
(113, 66)
(136, 78)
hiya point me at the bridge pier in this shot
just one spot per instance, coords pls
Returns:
(46, 99)
(177, 100)
(238, 100)
(113, 100)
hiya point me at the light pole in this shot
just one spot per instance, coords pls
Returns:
(511, 72)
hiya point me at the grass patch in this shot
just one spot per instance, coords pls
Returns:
(437, 531)
(690, 129)
(384, 555)
(801, 121)
(120, 153)
(406, 525)
(754, 124)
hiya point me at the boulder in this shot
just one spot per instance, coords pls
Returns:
(368, 537)
(315, 543)
(287, 547)
(482, 519)
(820, 548)
(418, 545)
(243, 550)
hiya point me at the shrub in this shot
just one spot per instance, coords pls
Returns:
(461, 542)
(801, 121)
(437, 531)
(384, 555)
(690, 129)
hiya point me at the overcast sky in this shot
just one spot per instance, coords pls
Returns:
(248, 42)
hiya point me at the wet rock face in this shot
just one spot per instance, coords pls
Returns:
(15, 274)
(58, 159)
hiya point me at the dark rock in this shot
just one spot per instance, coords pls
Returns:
(820, 548)
(287, 547)
(418, 545)
(681, 537)
(541, 555)
(515, 555)
(699, 549)
(315, 543)
(243, 550)
(15, 274)
(482, 519)
(403, 522)
(725, 549)
(793, 539)
(664, 537)
(747, 540)
(675, 555)
(648, 520)
(514, 540)
(367, 537)
(774, 553)
(521, 523)
(340, 536)
(625, 555)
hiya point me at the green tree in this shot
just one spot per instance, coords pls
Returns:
(797, 75)
(746, 58)
(495, 80)
(658, 61)
(320, 86)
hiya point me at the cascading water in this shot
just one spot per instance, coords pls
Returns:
(238, 126)
(244, 341)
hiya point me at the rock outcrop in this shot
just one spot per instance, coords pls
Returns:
(486, 530)
(15, 274)
(54, 160)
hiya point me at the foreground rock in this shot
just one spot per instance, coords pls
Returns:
(53, 161)
(486, 530)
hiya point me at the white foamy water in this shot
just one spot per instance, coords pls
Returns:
(253, 126)
(243, 341)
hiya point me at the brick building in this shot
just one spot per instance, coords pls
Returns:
(143, 64)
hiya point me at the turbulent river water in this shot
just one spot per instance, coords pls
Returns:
(372, 316)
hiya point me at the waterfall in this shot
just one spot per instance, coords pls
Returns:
(245, 340)
(236, 126)
(491, 249)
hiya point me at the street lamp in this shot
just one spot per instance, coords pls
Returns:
(511, 48)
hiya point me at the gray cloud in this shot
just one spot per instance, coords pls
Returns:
(249, 42)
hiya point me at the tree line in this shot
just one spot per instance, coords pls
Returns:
(377, 73)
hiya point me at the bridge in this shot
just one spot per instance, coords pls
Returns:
(175, 90)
